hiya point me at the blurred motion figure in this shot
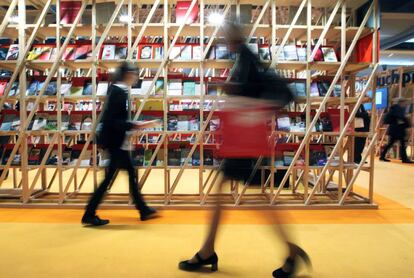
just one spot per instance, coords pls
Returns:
(251, 85)
(112, 137)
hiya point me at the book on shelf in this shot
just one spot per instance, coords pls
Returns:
(183, 123)
(181, 9)
(35, 156)
(302, 53)
(66, 155)
(297, 124)
(323, 88)
(50, 90)
(314, 91)
(14, 90)
(283, 123)
(158, 52)
(69, 53)
(3, 52)
(208, 157)
(145, 86)
(53, 158)
(288, 157)
(86, 159)
(147, 157)
(189, 88)
(69, 11)
(86, 123)
(214, 124)
(39, 122)
(301, 89)
(337, 90)
(197, 54)
(175, 52)
(159, 87)
(174, 157)
(75, 121)
(65, 89)
(7, 121)
(13, 52)
(3, 85)
(274, 49)
(17, 159)
(194, 123)
(318, 56)
(42, 53)
(211, 54)
(32, 89)
(108, 52)
(87, 88)
(329, 54)
(221, 51)
(51, 123)
(136, 88)
(172, 123)
(186, 52)
(183, 157)
(145, 52)
(138, 157)
(317, 158)
(290, 53)
(83, 52)
(53, 54)
(195, 160)
(121, 52)
(102, 88)
(326, 123)
(264, 53)
(65, 121)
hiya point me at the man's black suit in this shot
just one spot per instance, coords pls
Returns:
(114, 127)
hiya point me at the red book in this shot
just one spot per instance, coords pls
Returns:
(83, 52)
(69, 10)
(364, 47)
(182, 8)
(69, 53)
(3, 85)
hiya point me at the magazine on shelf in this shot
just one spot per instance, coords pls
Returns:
(318, 56)
(40, 122)
(159, 87)
(283, 123)
(3, 52)
(274, 49)
(147, 157)
(76, 90)
(300, 89)
(186, 52)
(254, 48)
(136, 88)
(302, 53)
(51, 88)
(65, 89)
(183, 157)
(290, 53)
(102, 88)
(32, 89)
(146, 52)
(83, 52)
(3, 85)
(288, 157)
(264, 53)
(323, 88)
(189, 88)
(53, 54)
(196, 158)
(51, 122)
(17, 159)
(75, 121)
(86, 123)
(69, 53)
(197, 54)
(174, 157)
(108, 52)
(53, 158)
(175, 53)
(329, 54)
(314, 91)
(158, 52)
(222, 51)
(121, 52)
(13, 52)
(183, 123)
(7, 122)
(65, 121)
(317, 158)
(181, 9)
(172, 123)
(35, 155)
(14, 91)
(87, 88)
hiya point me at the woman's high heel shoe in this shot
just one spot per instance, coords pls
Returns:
(212, 260)
(290, 266)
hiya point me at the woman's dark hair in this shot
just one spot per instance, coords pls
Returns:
(122, 70)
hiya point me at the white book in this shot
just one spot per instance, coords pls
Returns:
(290, 53)
(281, 56)
(301, 53)
(197, 52)
(108, 52)
(146, 52)
(145, 87)
(175, 84)
(102, 89)
(329, 54)
(183, 124)
(39, 124)
(174, 92)
(175, 53)
(186, 53)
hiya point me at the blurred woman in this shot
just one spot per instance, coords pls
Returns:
(251, 82)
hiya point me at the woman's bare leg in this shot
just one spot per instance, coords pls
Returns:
(207, 248)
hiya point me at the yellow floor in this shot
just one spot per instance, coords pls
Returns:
(361, 243)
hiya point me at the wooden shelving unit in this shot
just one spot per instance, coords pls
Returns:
(323, 22)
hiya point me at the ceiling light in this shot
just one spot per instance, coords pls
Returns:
(216, 19)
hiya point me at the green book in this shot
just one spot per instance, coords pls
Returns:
(189, 88)
(147, 157)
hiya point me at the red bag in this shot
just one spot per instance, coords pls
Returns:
(245, 133)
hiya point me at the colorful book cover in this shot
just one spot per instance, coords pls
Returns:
(3, 52)
(329, 54)
(314, 91)
(14, 91)
(53, 54)
(3, 85)
(86, 123)
(40, 122)
(183, 123)
(120, 52)
(222, 51)
(76, 90)
(51, 122)
(186, 52)
(108, 52)
(264, 53)
(102, 89)
(172, 123)
(13, 52)
(69, 53)
(290, 53)
(189, 88)
(283, 123)
(51, 89)
(65, 89)
(34, 156)
(323, 88)
(146, 52)
(158, 52)
(175, 52)
(32, 89)
(46, 53)
(83, 52)
(181, 9)
(159, 87)
(147, 157)
(35, 53)
(87, 88)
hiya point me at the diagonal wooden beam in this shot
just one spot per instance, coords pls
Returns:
(358, 170)
(325, 30)
(143, 28)
(7, 16)
(343, 133)
(323, 103)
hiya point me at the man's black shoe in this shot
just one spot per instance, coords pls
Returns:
(148, 213)
(384, 159)
(408, 161)
(94, 221)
